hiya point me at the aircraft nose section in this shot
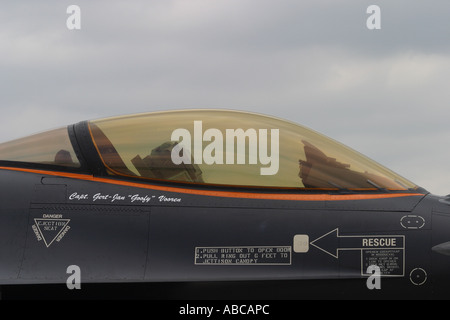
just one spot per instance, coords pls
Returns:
(442, 248)
(441, 226)
(445, 200)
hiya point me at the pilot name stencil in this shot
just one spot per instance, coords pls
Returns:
(50, 228)
(120, 198)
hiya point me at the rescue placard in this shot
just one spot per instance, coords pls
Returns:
(384, 251)
(390, 261)
(382, 242)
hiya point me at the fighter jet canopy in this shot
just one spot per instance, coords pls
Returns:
(221, 147)
(208, 147)
(51, 148)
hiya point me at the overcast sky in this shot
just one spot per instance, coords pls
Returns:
(383, 92)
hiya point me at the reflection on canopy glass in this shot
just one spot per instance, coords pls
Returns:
(142, 146)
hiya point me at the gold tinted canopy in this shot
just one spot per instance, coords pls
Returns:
(223, 147)
(47, 148)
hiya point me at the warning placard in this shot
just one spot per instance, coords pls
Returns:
(390, 261)
(254, 255)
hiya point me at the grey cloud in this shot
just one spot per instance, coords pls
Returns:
(383, 92)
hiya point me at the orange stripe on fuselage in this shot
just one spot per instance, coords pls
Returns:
(226, 194)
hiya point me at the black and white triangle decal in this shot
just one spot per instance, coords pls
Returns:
(50, 229)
